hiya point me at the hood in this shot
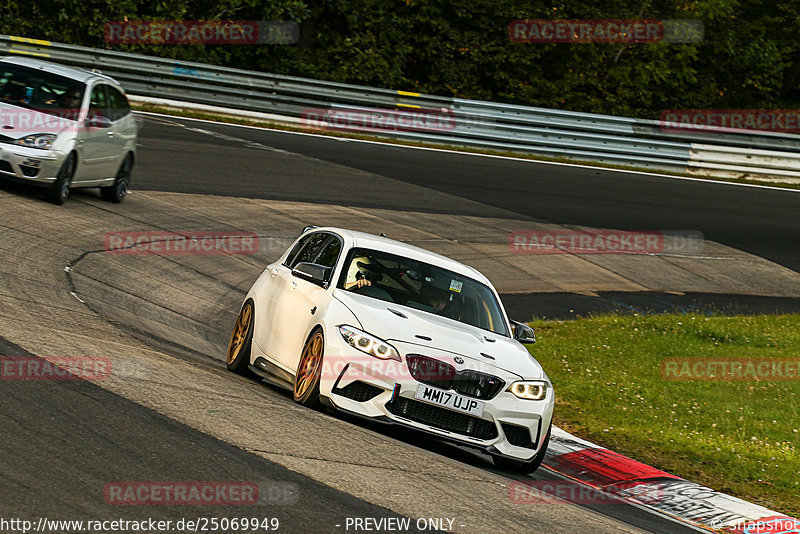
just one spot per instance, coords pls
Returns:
(18, 121)
(427, 330)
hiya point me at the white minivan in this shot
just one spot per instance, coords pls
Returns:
(64, 128)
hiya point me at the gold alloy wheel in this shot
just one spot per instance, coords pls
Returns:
(240, 332)
(309, 364)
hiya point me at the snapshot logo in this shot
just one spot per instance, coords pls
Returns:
(208, 32)
(604, 242)
(554, 492)
(181, 243)
(779, 524)
(54, 368)
(605, 31)
(730, 369)
(727, 120)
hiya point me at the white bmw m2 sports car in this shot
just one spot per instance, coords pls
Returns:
(392, 332)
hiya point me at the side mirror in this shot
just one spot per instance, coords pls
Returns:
(312, 272)
(523, 333)
(98, 121)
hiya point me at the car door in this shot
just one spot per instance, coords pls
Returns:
(99, 154)
(269, 286)
(298, 299)
(123, 127)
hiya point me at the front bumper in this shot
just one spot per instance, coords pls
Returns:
(384, 390)
(29, 165)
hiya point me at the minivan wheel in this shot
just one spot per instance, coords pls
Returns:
(58, 192)
(117, 191)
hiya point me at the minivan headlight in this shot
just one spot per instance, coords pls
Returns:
(42, 141)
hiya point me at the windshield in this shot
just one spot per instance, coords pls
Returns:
(422, 286)
(41, 91)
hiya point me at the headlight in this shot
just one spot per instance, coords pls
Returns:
(368, 343)
(43, 141)
(529, 389)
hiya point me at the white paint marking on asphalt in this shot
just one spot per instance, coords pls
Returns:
(245, 142)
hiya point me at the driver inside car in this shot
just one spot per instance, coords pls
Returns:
(358, 276)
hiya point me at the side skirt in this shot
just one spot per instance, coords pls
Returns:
(272, 373)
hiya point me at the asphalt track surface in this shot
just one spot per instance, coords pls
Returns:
(65, 440)
(60, 442)
(237, 162)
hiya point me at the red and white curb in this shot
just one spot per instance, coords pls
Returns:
(626, 478)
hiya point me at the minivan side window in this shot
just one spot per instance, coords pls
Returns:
(118, 104)
(98, 105)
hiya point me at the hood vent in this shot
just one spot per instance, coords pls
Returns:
(397, 313)
(426, 338)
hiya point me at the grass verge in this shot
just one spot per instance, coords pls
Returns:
(740, 437)
(232, 119)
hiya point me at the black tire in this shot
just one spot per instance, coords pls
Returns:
(524, 467)
(309, 371)
(58, 192)
(241, 341)
(117, 192)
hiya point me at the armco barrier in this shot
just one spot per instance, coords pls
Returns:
(477, 124)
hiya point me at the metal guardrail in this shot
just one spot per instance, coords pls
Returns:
(477, 124)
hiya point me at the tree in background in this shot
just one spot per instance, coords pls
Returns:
(748, 59)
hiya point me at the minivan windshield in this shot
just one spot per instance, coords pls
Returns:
(422, 286)
(40, 91)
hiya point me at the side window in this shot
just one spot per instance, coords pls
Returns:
(310, 250)
(329, 254)
(118, 104)
(98, 105)
(296, 250)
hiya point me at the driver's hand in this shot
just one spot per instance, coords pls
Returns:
(363, 283)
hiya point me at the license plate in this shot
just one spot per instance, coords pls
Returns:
(450, 400)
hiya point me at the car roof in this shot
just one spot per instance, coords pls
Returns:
(73, 73)
(375, 242)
